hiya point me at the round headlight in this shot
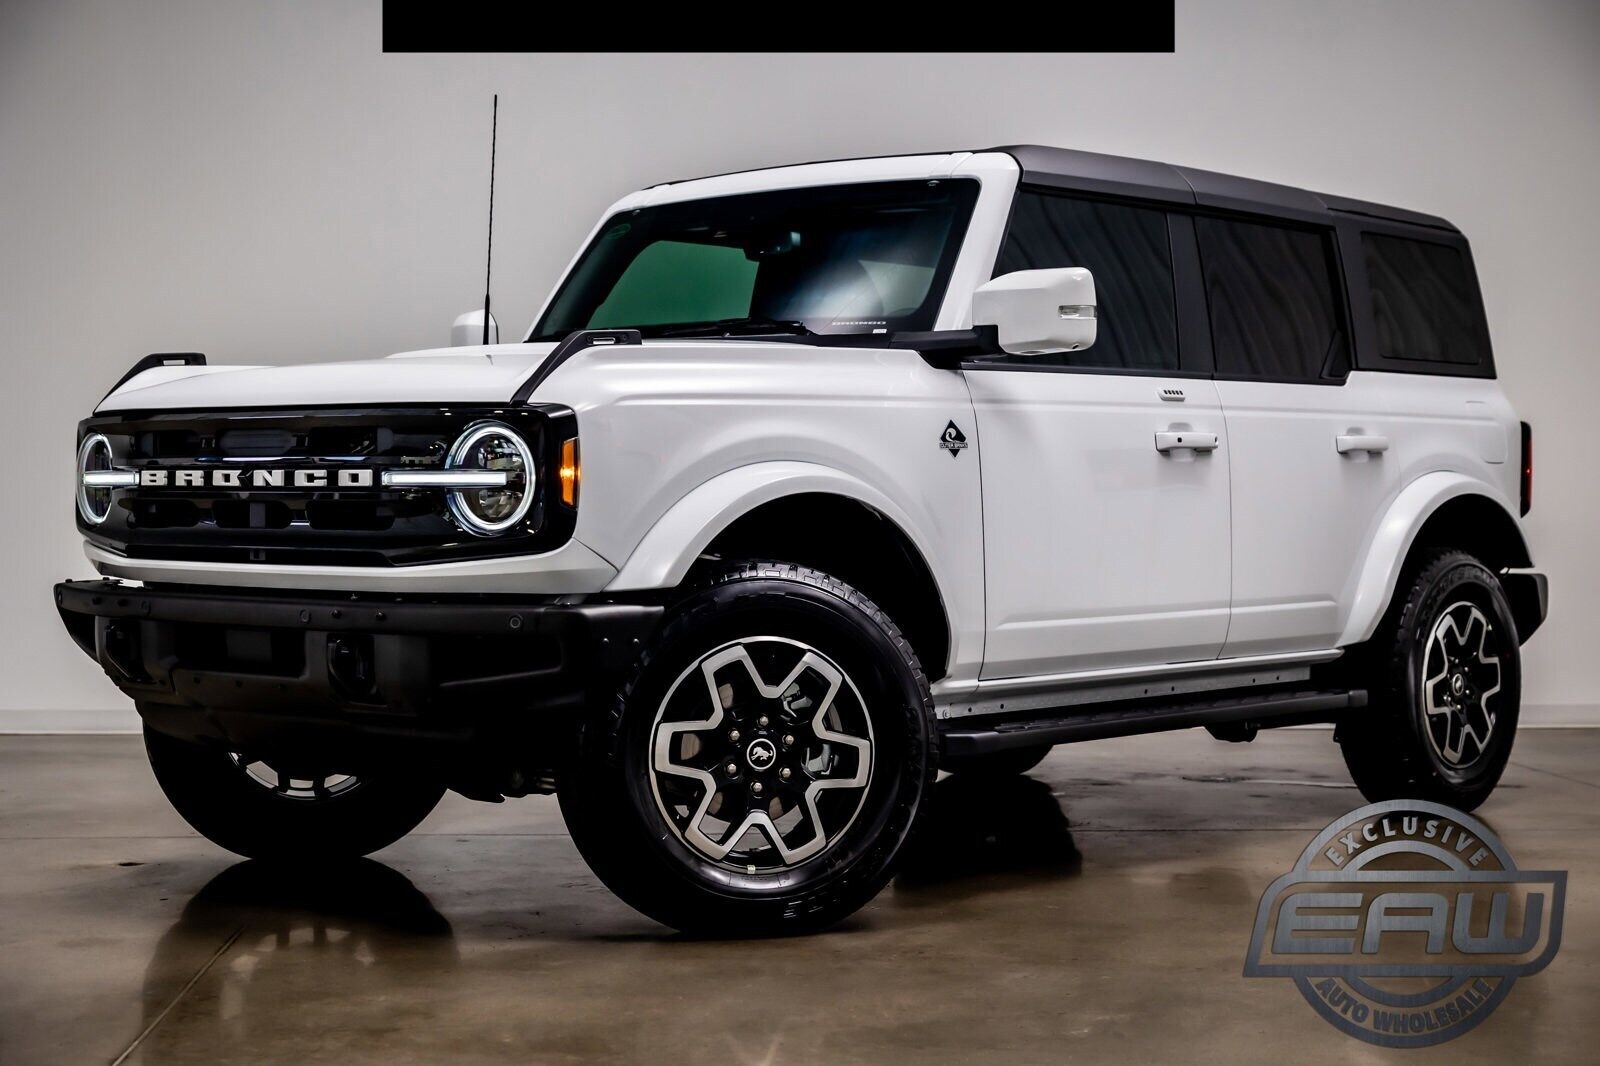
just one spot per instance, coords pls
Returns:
(491, 446)
(93, 454)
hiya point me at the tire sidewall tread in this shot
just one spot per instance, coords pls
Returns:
(634, 859)
(1386, 745)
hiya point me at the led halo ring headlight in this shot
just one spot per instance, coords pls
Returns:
(94, 454)
(490, 511)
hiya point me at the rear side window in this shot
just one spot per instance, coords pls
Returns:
(1425, 305)
(1128, 252)
(1274, 305)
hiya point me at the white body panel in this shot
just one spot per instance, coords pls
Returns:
(673, 434)
(1101, 550)
(1303, 513)
(1448, 437)
(437, 375)
(572, 569)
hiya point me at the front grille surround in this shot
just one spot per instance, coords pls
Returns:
(366, 527)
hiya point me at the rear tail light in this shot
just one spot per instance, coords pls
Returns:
(1527, 467)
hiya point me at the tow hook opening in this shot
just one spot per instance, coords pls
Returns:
(350, 666)
(119, 649)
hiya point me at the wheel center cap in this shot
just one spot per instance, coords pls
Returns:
(1458, 684)
(761, 754)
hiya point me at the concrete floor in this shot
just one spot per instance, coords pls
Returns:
(1098, 910)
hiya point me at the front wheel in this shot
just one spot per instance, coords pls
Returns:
(260, 811)
(1446, 689)
(763, 768)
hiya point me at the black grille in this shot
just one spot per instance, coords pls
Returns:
(327, 526)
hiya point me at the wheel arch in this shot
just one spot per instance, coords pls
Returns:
(1437, 510)
(851, 530)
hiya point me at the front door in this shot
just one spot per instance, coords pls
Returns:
(1105, 519)
(1105, 471)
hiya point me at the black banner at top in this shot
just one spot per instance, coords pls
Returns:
(501, 26)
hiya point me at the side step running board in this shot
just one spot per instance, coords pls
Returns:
(1277, 708)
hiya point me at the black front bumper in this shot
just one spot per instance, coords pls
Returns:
(353, 677)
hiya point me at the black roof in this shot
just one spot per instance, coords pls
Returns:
(1113, 175)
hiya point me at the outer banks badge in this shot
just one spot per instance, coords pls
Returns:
(1406, 923)
(952, 439)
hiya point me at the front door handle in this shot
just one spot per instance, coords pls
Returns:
(1371, 443)
(1168, 440)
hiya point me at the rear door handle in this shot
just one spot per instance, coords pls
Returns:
(1360, 442)
(1168, 440)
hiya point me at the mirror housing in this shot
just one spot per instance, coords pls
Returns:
(1038, 312)
(468, 329)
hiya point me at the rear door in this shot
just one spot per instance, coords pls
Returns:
(1309, 439)
(1105, 472)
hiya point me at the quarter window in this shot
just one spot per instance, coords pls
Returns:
(1424, 303)
(1127, 251)
(1274, 307)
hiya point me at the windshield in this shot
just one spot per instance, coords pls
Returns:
(837, 259)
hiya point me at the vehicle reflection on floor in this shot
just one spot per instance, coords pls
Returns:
(279, 925)
(484, 937)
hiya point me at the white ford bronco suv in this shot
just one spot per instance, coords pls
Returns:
(808, 483)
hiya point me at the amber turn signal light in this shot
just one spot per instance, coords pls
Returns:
(569, 472)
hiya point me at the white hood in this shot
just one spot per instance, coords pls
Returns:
(473, 374)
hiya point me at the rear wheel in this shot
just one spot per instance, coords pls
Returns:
(262, 811)
(1446, 689)
(763, 768)
(1013, 762)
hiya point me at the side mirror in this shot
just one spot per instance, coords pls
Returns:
(468, 329)
(1038, 312)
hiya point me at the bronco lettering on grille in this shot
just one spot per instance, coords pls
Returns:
(264, 478)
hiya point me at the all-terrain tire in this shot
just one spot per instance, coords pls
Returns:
(754, 644)
(1445, 685)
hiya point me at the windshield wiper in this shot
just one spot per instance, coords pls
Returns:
(738, 327)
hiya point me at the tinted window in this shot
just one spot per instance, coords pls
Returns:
(680, 281)
(1424, 303)
(1127, 251)
(834, 259)
(1274, 308)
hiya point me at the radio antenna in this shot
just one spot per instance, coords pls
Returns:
(488, 269)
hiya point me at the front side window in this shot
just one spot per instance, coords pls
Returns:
(1274, 305)
(1424, 303)
(841, 259)
(1128, 252)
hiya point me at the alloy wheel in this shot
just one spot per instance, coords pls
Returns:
(1460, 676)
(761, 754)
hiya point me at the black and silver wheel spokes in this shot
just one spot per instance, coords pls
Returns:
(1460, 675)
(307, 786)
(756, 775)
